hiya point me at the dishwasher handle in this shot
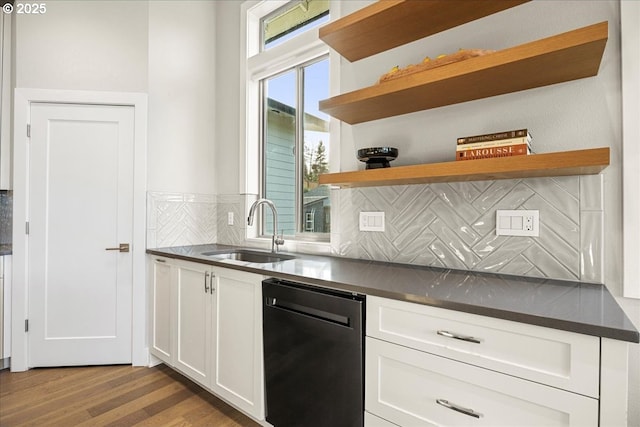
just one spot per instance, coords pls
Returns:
(299, 309)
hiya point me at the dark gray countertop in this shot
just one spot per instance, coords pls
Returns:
(570, 306)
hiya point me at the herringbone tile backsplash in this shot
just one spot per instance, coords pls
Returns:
(452, 225)
(176, 219)
(449, 225)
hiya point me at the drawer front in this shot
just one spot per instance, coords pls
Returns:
(371, 420)
(561, 359)
(412, 388)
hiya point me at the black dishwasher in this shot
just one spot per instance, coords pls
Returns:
(313, 356)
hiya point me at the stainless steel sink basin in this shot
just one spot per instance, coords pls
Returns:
(249, 256)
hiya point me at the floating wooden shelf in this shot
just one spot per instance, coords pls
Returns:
(580, 162)
(568, 56)
(392, 23)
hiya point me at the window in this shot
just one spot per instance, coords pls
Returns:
(292, 19)
(289, 75)
(295, 141)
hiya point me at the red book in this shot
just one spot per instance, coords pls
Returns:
(496, 143)
(491, 152)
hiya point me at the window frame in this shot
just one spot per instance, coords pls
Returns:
(630, 46)
(299, 233)
(257, 65)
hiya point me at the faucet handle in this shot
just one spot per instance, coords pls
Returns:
(279, 240)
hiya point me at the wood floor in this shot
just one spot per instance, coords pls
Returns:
(110, 396)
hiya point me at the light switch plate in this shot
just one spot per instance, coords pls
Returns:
(371, 221)
(518, 223)
(229, 218)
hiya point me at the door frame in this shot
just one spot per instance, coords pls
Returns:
(23, 98)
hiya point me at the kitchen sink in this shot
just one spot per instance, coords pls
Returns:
(249, 256)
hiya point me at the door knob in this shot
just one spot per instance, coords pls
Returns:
(123, 247)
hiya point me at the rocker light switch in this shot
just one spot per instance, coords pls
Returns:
(371, 221)
(517, 223)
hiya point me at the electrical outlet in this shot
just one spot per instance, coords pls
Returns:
(528, 223)
(517, 223)
(229, 218)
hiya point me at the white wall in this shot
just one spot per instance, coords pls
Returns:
(83, 46)
(580, 114)
(228, 96)
(182, 78)
(164, 48)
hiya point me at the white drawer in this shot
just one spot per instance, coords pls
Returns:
(371, 420)
(404, 386)
(561, 359)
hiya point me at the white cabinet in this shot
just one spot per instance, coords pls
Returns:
(237, 350)
(371, 420)
(429, 366)
(207, 323)
(161, 274)
(5, 310)
(194, 322)
(1, 309)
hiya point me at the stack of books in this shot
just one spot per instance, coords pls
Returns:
(490, 145)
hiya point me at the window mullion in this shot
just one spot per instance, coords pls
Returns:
(263, 155)
(299, 146)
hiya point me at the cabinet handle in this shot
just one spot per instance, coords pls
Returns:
(206, 282)
(459, 337)
(457, 408)
(160, 260)
(211, 283)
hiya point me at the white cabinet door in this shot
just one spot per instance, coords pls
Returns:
(412, 388)
(207, 323)
(161, 273)
(238, 372)
(1, 307)
(193, 321)
(6, 317)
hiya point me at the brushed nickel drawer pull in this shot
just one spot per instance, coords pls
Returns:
(458, 337)
(206, 282)
(454, 407)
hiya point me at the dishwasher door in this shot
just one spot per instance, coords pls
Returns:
(313, 356)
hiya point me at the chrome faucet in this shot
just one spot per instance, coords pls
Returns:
(275, 239)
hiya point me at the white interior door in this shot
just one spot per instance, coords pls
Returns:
(80, 210)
